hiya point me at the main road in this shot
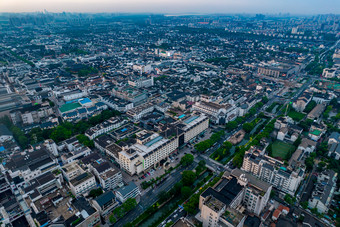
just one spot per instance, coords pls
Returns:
(151, 196)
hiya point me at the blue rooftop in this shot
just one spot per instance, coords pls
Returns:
(71, 101)
(155, 140)
(105, 198)
(191, 119)
(183, 115)
(85, 100)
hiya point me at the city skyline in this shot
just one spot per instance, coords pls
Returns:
(302, 7)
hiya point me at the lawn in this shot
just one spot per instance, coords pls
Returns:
(296, 116)
(282, 150)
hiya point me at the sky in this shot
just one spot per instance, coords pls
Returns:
(174, 6)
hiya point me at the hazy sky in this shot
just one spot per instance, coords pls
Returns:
(175, 6)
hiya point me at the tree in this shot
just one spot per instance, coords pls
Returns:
(201, 163)
(321, 166)
(227, 145)
(185, 192)
(310, 106)
(231, 125)
(238, 159)
(188, 177)
(203, 145)
(297, 141)
(187, 159)
(247, 127)
(192, 205)
(304, 204)
(85, 140)
(272, 193)
(309, 162)
(129, 204)
(95, 192)
(128, 225)
(163, 196)
(169, 224)
(265, 99)
(112, 219)
(289, 199)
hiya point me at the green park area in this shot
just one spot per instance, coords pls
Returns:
(296, 116)
(282, 150)
(69, 106)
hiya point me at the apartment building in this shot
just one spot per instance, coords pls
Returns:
(71, 170)
(223, 204)
(109, 177)
(256, 191)
(82, 184)
(218, 204)
(272, 171)
(130, 94)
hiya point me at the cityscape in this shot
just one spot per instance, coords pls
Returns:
(169, 119)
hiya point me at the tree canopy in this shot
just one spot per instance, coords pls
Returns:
(187, 159)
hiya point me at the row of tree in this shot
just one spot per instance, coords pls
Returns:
(206, 144)
(240, 150)
(62, 132)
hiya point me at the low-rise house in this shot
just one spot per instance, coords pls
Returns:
(300, 104)
(131, 190)
(334, 145)
(316, 131)
(102, 142)
(87, 216)
(323, 192)
(104, 127)
(316, 112)
(105, 204)
(74, 151)
(30, 165)
(289, 133)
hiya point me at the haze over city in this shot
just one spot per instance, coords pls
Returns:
(175, 6)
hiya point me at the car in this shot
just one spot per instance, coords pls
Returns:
(175, 216)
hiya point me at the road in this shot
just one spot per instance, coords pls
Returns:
(178, 213)
(151, 196)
